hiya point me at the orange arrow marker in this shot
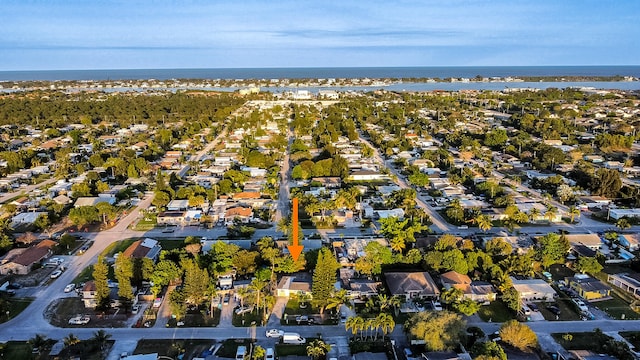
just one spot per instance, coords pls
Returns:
(295, 250)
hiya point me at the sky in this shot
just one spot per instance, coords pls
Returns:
(157, 34)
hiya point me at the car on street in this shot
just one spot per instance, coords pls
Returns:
(135, 309)
(56, 274)
(69, 288)
(226, 299)
(168, 230)
(268, 354)
(157, 302)
(274, 333)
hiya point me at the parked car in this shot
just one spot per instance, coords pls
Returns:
(274, 333)
(268, 354)
(79, 320)
(225, 300)
(135, 309)
(554, 309)
(69, 288)
(168, 230)
(533, 307)
(437, 306)
(56, 274)
(243, 310)
(157, 302)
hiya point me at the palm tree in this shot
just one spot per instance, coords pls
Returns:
(351, 324)
(71, 340)
(386, 323)
(257, 286)
(573, 213)
(337, 299)
(551, 213)
(318, 349)
(623, 224)
(242, 292)
(369, 325)
(395, 302)
(484, 222)
(101, 337)
(39, 342)
(533, 214)
(397, 244)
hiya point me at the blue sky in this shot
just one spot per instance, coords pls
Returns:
(101, 34)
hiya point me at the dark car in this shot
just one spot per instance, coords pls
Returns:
(554, 309)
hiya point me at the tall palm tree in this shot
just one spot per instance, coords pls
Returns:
(551, 213)
(534, 213)
(71, 340)
(101, 337)
(395, 302)
(257, 286)
(386, 323)
(352, 324)
(573, 213)
(242, 293)
(369, 325)
(337, 299)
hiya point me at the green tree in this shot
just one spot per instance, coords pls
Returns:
(498, 247)
(160, 199)
(67, 241)
(511, 298)
(552, 249)
(324, 278)
(101, 337)
(573, 213)
(196, 282)
(124, 273)
(484, 222)
(83, 215)
(606, 182)
(39, 342)
(441, 330)
(318, 349)
(165, 272)
(489, 350)
(587, 264)
(623, 224)
(71, 340)
(467, 307)
(518, 335)
(100, 273)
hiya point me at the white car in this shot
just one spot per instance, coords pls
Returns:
(79, 320)
(268, 355)
(274, 333)
(56, 274)
(69, 288)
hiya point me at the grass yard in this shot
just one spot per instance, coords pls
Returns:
(116, 247)
(496, 311)
(560, 272)
(293, 308)
(172, 244)
(617, 308)
(595, 341)
(146, 225)
(248, 319)
(288, 350)
(567, 310)
(579, 341)
(173, 347)
(17, 350)
(16, 306)
(633, 337)
(229, 347)
(85, 275)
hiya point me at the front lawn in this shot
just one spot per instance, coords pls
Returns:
(595, 341)
(116, 247)
(173, 347)
(293, 308)
(16, 306)
(248, 319)
(632, 337)
(17, 350)
(496, 311)
(567, 310)
(616, 308)
(289, 349)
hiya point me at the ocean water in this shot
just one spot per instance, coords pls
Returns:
(322, 73)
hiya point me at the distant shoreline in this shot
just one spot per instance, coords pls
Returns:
(405, 74)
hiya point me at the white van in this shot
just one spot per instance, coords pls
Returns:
(293, 338)
(241, 352)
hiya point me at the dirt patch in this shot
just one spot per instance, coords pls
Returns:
(60, 311)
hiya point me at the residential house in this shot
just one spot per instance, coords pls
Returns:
(238, 212)
(533, 289)
(178, 205)
(89, 295)
(412, 285)
(367, 175)
(480, 291)
(592, 241)
(25, 218)
(357, 289)
(93, 201)
(21, 262)
(629, 282)
(171, 218)
(329, 182)
(589, 288)
(293, 285)
(147, 248)
(630, 241)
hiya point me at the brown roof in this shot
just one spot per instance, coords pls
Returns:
(452, 277)
(238, 211)
(89, 286)
(35, 253)
(135, 250)
(401, 283)
(246, 195)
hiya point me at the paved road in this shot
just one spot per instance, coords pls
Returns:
(25, 190)
(282, 210)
